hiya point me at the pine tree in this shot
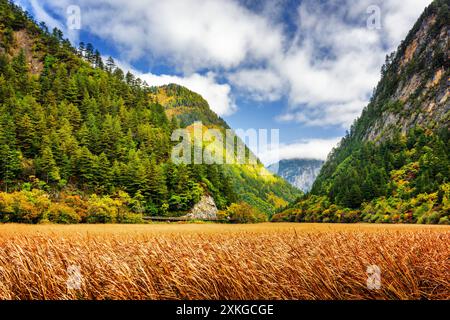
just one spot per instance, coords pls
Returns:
(26, 135)
(98, 60)
(7, 129)
(136, 173)
(227, 191)
(111, 133)
(84, 136)
(49, 169)
(156, 189)
(9, 165)
(20, 67)
(72, 94)
(74, 116)
(129, 78)
(6, 89)
(103, 173)
(81, 49)
(89, 53)
(213, 175)
(57, 35)
(183, 179)
(110, 65)
(60, 83)
(84, 167)
(171, 174)
(118, 74)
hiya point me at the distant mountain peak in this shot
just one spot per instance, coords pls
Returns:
(301, 173)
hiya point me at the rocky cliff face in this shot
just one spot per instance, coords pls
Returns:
(415, 86)
(301, 173)
(205, 209)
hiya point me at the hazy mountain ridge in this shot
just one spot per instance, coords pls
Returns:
(301, 173)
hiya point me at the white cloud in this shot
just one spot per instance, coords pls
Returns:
(304, 149)
(260, 84)
(343, 113)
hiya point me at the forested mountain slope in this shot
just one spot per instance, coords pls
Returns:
(393, 165)
(77, 130)
(253, 183)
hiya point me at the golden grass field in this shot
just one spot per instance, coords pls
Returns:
(217, 261)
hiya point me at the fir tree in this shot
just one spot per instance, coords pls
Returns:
(48, 167)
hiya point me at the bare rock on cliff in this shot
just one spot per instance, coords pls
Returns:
(205, 209)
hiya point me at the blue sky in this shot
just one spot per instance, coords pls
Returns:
(306, 67)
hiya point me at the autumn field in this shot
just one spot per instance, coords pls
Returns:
(216, 261)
